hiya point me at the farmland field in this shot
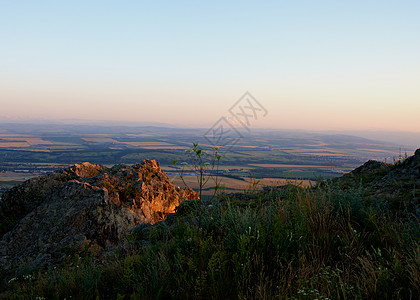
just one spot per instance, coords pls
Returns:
(272, 157)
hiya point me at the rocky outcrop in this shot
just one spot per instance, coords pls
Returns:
(398, 183)
(84, 207)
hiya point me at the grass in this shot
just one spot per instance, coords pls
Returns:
(280, 243)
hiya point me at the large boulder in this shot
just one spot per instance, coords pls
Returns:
(84, 207)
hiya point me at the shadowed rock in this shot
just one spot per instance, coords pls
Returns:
(398, 183)
(85, 206)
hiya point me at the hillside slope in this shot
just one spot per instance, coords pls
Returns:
(397, 184)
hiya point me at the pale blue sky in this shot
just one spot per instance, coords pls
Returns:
(312, 64)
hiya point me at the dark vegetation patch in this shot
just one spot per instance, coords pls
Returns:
(285, 242)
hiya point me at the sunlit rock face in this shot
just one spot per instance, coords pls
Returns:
(86, 206)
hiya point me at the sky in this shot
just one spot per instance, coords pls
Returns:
(324, 65)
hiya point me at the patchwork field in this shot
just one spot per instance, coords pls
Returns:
(269, 157)
(287, 166)
(232, 185)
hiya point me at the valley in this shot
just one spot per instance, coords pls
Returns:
(267, 156)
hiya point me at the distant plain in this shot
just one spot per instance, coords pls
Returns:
(266, 156)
